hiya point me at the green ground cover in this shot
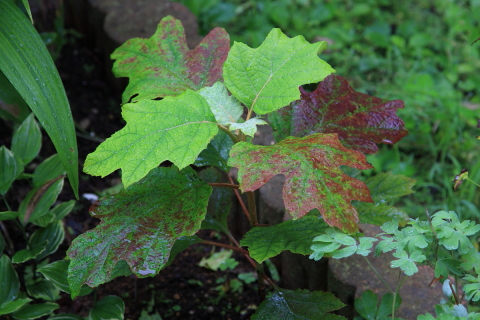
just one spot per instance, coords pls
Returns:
(418, 51)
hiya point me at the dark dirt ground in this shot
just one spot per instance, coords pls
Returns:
(183, 290)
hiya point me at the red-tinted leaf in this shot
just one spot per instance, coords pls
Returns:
(139, 225)
(313, 177)
(162, 65)
(360, 120)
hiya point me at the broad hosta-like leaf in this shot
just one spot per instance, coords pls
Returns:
(50, 168)
(294, 235)
(39, 200)
(8, 279)
(12, 306)
(10, 167)
(139, 225)
(109, 308)
(162, 65)
(267, 78)
(360, 120)
(42, 289)
(299, 305)
(56, 272)
(313, 177)
(34, 311)
(175, 129)
(28, 65)
(27, 140)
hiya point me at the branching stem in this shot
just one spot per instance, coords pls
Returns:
(225, 185)
(239, 198)
(230, 133)
(218, 244)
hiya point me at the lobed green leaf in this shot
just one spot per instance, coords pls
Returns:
(175, 129)
(267, 78)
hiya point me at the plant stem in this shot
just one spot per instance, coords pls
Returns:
(225, 185)
(218, 244)
(399, 285)
(253, 222)
(468, 179)
(239, 198)
(261, 281)
(379, 276)
(230, 133)
(454, 290)
(252, 208)
(7, 237)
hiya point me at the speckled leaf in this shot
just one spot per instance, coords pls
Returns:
(360, 120)
(175, 129)
(139, 225)
(162, 65)
(313, 177)
(294, 235)
(299, 305)
(267, 78)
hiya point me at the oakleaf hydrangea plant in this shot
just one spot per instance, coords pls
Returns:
(190, 116)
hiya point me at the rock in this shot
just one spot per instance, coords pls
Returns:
(418, 296)
(126, 19)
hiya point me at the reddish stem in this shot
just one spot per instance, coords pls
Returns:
(237, 194)
(225, 185)
(218, 244)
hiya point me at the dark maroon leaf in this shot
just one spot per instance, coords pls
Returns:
(360, 120)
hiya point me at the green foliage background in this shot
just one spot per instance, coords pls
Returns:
(416, 51)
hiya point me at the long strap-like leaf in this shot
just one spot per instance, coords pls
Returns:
(27, 64)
